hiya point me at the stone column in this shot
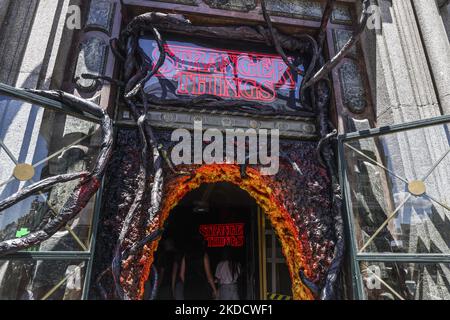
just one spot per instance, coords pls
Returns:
(29, 44)
(3, 11)
(40, 48)
(401, 83)
(437, 47)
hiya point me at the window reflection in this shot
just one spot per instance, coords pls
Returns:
(53, 143)
(398, 193)
(389, 215)
(406, 281)
(41, 280)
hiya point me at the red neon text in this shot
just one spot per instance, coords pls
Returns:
(225, 73)
(221, 235)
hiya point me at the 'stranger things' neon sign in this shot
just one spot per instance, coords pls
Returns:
(221, 235)
(192, 70)
(224, 73)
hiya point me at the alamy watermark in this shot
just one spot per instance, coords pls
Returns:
(238, 146)
(374, 20)
(73, 21)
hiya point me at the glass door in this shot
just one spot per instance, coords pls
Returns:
(275, 281)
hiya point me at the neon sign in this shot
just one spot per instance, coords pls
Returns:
(192, 70)
(221, 235)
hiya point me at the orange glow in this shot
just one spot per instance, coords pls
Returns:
(258, 187)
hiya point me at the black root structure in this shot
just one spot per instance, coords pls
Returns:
(88, 186)
(315, 85)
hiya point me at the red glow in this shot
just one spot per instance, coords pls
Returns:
(295, 246)
(221, 235)
(225, 73)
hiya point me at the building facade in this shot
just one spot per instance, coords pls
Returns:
(352, 96)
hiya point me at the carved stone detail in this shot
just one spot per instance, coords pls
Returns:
(340, 38)
(306, 9)
(91, 59)
(101, 13)
(238, 5)
(296, 9)
(341, 14)
(300, 128)
(353, 91)
(188, 2)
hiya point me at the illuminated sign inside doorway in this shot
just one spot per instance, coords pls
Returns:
(222, 235)
(197, 68)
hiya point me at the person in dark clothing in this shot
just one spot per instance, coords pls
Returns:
(177, 284)
(195, 272)
(164, 265)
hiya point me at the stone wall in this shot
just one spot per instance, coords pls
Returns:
(34, 46)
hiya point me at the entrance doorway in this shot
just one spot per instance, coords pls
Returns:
(225, 218)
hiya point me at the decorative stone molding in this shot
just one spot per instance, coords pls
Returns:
(239, 5)
(341, 14)
(340, 38)
(305, 9)
(296, 9)
(353, 91)
(101, 13)
(91, 59)
(188, 2)
(296, 128)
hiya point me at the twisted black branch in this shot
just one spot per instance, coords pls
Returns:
(181, 25)
(135, 207)
(83, 191)
(274, 37)
(97, 78)
(123, 256)
(99, 285)
(315, 290)
(116, 50)
(150, 73)
(321, 98)
(324, 23)
(333, 62)
(154, 280)
(324, 140)
(148, 139)
(40, 186)
(326, 156)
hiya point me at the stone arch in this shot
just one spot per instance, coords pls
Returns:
(258, 187)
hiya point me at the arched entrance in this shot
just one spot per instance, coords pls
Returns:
(258, 187)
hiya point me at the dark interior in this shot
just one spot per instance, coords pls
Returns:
(215, 204)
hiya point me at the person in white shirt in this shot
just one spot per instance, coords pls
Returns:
(227, 274)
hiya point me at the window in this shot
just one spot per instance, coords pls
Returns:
(396, 186)
(40, 138)
(277, 272)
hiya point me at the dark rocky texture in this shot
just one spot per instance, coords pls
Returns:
(301, 188)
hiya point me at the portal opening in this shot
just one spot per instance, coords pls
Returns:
(244, 256)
